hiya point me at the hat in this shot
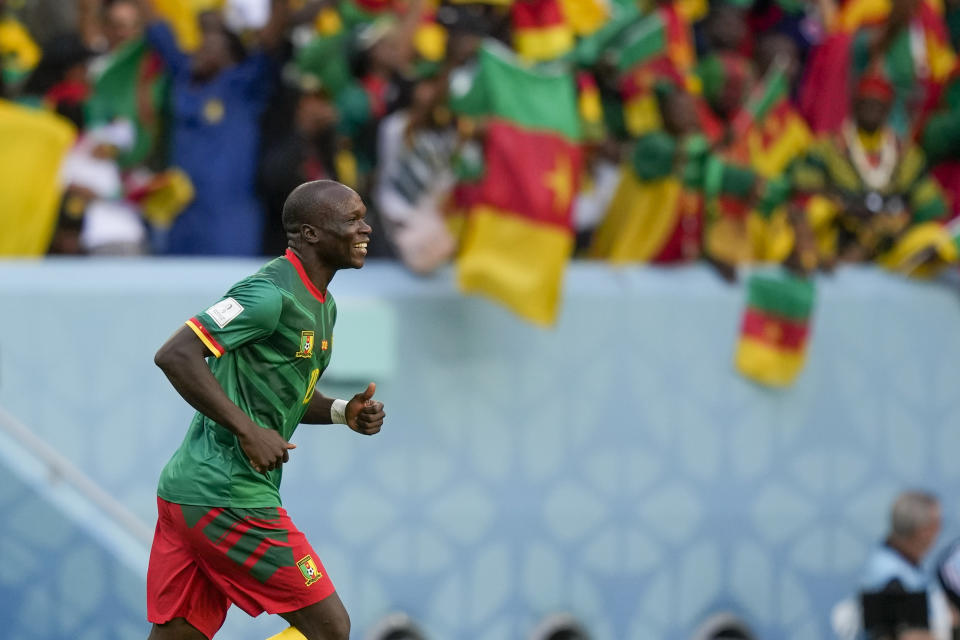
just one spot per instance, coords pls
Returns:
(323, 61)
(874, 84)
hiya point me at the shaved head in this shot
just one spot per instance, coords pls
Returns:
(326, 226)
(314, 203)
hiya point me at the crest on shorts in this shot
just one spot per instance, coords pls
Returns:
(306, 345)
(309, 570)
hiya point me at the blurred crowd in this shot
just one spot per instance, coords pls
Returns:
(801, 132)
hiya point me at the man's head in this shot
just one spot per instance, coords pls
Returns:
(726, 27)
(872, 102)
(123, 22)
(727, 79)
(219, 48)
(915, 522)
(678, 109)
(780, 48)
(326, 219)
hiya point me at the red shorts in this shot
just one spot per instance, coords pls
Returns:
(206, 558)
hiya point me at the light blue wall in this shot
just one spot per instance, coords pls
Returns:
(614, 466)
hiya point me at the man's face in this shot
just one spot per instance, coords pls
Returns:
(213, 54)
(315, 114)
(345, 234)
(871, 113)
(123, 23)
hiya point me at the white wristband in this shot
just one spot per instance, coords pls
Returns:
(338, 412)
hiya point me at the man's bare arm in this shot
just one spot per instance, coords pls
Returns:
(182, 359)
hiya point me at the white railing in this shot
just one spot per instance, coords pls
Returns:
(79, 497)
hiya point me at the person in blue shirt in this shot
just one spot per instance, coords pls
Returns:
(219, 93)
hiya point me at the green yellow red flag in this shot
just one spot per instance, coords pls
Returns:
(540, 30)
(775, 328)
(518, 236)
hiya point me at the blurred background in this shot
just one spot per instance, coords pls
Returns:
(662, 302)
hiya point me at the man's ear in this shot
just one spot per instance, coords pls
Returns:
(309, 233)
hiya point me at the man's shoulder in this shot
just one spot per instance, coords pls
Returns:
(884, 565)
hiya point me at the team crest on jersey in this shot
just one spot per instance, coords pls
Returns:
(306, 344)
(309, 570)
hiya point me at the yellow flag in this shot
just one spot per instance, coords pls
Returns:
(34, 145)
(182, 16)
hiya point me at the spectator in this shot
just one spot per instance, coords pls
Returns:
(657, 213)
(874, 199)
(416, 149)
(306, 152)
(106, 26)
(896, 565)
(772, 143)
(109, 223)
(895, 568)
(59, 82)
(219, 95)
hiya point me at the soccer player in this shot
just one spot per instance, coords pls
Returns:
(222, 535)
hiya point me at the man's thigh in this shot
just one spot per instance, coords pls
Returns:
(177, 587)
(258, 559)
(324, 620)
(176, 629)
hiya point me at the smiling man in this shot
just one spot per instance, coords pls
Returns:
(222, 535)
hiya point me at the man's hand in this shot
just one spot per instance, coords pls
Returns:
(363, 414)
(265, 448)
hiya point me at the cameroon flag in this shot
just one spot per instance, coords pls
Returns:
(34, 145)
(776, 325)
(518, 235)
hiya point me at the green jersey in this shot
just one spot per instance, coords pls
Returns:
(272, 335)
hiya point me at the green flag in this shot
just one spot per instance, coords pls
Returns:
(133, 86)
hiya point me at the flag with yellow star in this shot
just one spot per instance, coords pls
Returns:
(775, 329)
(518, 236)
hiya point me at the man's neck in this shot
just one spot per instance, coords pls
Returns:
(871, 140)
(319, 274)
(909, 552)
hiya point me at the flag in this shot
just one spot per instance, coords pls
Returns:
(374, 6)
(775, 329)
(586, 16)
(132, 86)
(34, 145)
(540, 30)
(590, 106)
(662, 33)
(519, 233)
(182, 17)
(592, 46)
(763, 98)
